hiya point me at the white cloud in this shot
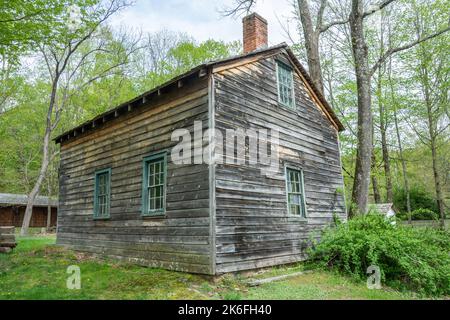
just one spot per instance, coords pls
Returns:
(202, 18)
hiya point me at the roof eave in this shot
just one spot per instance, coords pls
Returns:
(202, 70)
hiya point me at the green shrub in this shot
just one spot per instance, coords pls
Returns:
(419, 199)
(409, 258)
(419, 214)
(424, 214)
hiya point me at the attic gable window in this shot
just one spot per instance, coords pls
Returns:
(285, 81)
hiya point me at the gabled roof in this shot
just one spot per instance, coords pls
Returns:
(196, 72)
(9, 199)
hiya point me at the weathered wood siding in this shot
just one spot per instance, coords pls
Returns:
(181, 239)
(253, 228)
(13, 216)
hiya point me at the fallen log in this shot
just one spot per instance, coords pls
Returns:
(5, 250)
(8, 244)
(257, 282)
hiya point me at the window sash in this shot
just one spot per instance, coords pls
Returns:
(285, 80)
(102, 193)
(295, 192)
(154, 185)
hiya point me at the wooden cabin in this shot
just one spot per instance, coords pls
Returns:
(12, 211)
(122, 194)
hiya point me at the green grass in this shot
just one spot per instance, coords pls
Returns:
(36, 269)
(322, 285)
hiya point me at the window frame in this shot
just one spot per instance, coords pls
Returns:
(96, 215)
(303, 195)
(289, 68)
(145, 212)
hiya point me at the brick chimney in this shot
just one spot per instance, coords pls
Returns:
(254, 32)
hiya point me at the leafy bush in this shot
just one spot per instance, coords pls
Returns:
(409, 258)
(420, 214)
(419, 198)
(424, 214)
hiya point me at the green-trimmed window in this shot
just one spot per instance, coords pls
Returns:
(285, 81)
(154, 184)
(295, 192)
(102, 193)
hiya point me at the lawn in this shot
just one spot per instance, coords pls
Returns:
(36, 269)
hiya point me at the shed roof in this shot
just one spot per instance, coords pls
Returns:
(382, 207)
(9, 199)
(200, 70)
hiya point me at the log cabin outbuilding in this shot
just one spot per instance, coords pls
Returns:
(12, 211)
(179, 177)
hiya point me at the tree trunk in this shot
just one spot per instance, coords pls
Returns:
(45, 159)
(376, 189)
(364, 148)
(405, 174)
(311, 36)
(433, 135)
(384, 147)
(437, 184)
(35, 191)
(49, 217)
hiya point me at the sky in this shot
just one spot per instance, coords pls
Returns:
(202, 19)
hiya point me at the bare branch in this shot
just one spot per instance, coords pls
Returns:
(240, 7)
(332, 24)
(391, 51)
(323, 4)
(377, 8)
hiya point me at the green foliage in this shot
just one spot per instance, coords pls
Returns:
(21, 131)
(188, 54)
(424, 214)
(419, 198)
(25, 24)
(408, 258)
(420, 214)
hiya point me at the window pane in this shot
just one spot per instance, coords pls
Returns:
(102, 194)
(155, 184)
(285, 85)
(294, 199)
(295, 194)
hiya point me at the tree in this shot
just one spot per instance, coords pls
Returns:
(383, 114)
(23, 24)
(400, 151)
(65, 56)
(364, 74)
(428, 62)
